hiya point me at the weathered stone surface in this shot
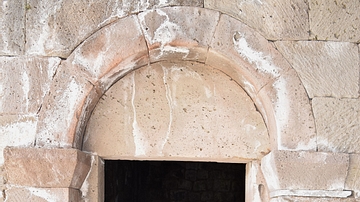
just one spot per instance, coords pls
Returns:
(290, 170)
(256, 59)
(352, 179)
(182, 110)
(12, 27)
(287, 112)
(275, 19)
(337, 124)
(311, 193)
(311, 199)
(24, 81)
(30, 194)
(178, 33)
(335, 20)
(63, 109)
(56, 168)
(16, 130)
(92, 188)
(325, 68)
(256, 188)
(56, 28)
(112, 52)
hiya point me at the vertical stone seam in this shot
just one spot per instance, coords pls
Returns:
(212, 37)
(308, 13)
(358, 45)
(143, 36)
(26, 7)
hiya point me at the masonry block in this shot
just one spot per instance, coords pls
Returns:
(352, 179)
(274, 19)
(178, 33)
(24, 81)
(12, 27)
(334, 20)
(31, 194)
(337, 124)
(92, 188)
(311, 199)
(42, 168)
(56, 28)
(290, 170)
(327, 69)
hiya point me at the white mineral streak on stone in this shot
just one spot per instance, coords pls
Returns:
(163, 2)
(270, 174)
(4, 5)
(252, 182)
(282, 108)
(17, 134)
(262, 62)
(45, 194)
(139, 138)
(248, 84)
(171, 106)
(310, 193)
(164, 34)
(26, 88)
(85, 186)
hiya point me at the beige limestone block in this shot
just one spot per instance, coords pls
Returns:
(25, 81)
(325, 68)
(30, 194)
(12, 27)
(337, 20)
(293, 170)
(56, 168)
(93, 186)
(179, 110)
(16, 130)
(178, 33)
(275, 19)
(71, 98)
(256, 188)
(56, 28)
(112, 52)
(353, 179)
(311, 199)
(288, 114)
(337, 124)
(256, 58)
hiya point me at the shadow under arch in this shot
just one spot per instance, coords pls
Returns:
(171, 34)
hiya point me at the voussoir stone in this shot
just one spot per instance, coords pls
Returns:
(178, 33)
(12, 27)
(274, 19)
(55, 28)
(31, 194)
(325, 68)
(337, 124)
(303, 170)
(25, 81)
(66, 106)
(39, 167)
(335, 20)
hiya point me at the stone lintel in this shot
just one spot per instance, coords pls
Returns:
(310, 193)
(45, 167)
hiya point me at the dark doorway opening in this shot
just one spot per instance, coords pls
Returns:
(166, 181)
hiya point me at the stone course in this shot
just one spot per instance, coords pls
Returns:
(30, 194)
(337, 20)
(332, 72)
(337, 124)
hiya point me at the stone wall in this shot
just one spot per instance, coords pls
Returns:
(319, 39)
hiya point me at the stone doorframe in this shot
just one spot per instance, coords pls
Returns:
(55, 168)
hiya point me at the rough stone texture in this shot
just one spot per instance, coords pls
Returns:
(352, 179)
(256, 187)
(337, 124)
(112, 52)
(157, 107)
(56, 28)
(30, 194)
(2, 182)
(12, 27)
(175, 34)
(289, 170)
(332, 71)
(24, 81)
(275, 19)
(56, 168)
(16, 130)
(63, 109)
(337, 20)
(311, 199)
(287, 111)
(92, 188)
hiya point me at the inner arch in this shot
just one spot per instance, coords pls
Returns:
(184, 110)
